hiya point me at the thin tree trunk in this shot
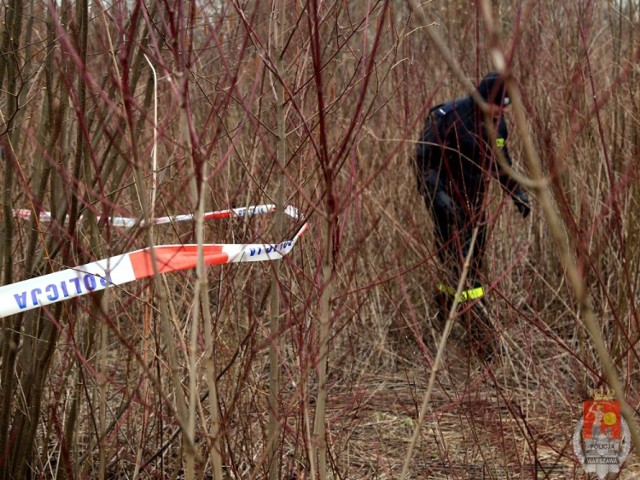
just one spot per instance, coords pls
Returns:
(9, 68)
(319, 447)
(278, 11)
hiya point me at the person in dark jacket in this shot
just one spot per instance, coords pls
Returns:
(456, 156)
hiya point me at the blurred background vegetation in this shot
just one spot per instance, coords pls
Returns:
(314, 367)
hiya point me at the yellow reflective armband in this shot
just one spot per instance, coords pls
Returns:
(465, 295)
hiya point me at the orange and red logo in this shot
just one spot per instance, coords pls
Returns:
(601, 420)
(602, 439)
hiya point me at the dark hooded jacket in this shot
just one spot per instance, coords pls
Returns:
(455, 154)
(467, 158)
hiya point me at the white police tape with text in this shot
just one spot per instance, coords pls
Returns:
(120, 269)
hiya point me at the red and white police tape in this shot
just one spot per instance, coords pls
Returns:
(125, 222)
(120, 269)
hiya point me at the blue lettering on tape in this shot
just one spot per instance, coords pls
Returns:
(52, 291)
(89, 282)
(271, 248)
(34, 296)
(21, 300)
(76, 282)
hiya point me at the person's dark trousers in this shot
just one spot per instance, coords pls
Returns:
(453, 234)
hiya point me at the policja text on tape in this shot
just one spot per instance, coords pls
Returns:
(120, 269)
